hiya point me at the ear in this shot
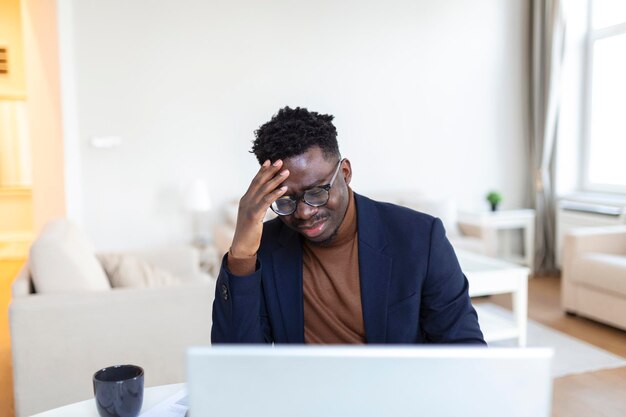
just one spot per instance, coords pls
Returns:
(346, 171)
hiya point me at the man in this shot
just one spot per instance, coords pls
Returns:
(334, 267)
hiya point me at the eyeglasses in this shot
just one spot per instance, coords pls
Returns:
(314, 197)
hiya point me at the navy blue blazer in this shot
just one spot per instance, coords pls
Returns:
(412, 287)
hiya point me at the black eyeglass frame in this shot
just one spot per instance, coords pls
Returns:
(325, 187)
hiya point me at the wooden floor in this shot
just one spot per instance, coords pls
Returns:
(601, 393)
(8, 271)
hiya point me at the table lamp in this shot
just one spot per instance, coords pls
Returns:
(198, 202)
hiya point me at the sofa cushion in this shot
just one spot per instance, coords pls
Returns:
(63, 260)
(129, 271)
(601, 270)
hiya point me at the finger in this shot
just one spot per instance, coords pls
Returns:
(274, 182)
(273, 196)
(266, 172)
(261, 170)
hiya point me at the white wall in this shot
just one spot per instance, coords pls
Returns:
(427, 95)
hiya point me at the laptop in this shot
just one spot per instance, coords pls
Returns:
(368, 381)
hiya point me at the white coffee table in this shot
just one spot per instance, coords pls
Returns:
(488, 276)
(151, 397)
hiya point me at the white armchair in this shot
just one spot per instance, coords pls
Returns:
(594, 274)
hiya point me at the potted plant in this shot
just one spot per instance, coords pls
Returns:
(494, 199)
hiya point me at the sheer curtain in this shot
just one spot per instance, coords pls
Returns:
(547, 46)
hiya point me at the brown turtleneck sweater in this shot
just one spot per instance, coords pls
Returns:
(332, 293)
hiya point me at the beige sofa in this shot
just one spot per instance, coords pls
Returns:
(61, 336)
(594, 274)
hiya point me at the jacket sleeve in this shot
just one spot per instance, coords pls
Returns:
(239, 314)
(446, 314)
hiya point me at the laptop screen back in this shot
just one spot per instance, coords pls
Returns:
(306, 381)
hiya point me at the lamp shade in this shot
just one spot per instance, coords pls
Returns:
(197, 197)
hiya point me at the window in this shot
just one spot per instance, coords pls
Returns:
(605, 139)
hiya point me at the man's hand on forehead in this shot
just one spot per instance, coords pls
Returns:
(264, 189)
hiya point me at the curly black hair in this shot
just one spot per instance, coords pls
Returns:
(292, 132)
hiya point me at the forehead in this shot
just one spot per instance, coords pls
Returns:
(307, 169)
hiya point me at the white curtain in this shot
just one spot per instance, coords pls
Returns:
(547, 47)
(15, 157)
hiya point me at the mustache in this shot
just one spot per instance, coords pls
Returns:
(313, 220)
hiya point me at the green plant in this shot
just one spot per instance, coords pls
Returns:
(494, 197)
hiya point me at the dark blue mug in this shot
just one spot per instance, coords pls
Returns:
(119, 391)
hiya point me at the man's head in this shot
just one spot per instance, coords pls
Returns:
(291, 132)
(306, 142)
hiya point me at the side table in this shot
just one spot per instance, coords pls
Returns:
(491, 223)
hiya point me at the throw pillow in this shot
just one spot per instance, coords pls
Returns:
(129, 271)
(63, 260)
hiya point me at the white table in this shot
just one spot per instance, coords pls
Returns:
(488, 276)
(491, 222)
(151, 397)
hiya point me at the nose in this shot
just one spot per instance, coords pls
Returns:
(304, 211)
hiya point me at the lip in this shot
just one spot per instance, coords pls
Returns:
(314, 230)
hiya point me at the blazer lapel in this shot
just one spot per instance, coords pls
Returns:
(288, 280)
(374, 270)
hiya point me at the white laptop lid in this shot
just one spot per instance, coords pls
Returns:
(363, 381)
